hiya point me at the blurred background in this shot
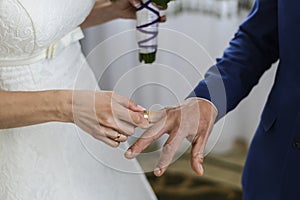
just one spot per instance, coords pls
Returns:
(195, 34)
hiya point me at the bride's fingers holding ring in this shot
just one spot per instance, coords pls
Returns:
(134, 118)
(154, 116)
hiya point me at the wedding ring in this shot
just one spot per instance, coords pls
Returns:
(118, 137)
(146, 115)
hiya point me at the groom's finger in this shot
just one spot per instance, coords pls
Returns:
(155, 116)
(150, 135)
(168, 152)
(197, 155)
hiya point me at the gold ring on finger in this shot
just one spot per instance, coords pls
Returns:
(118, 137)
(146, 115)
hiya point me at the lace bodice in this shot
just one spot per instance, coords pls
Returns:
(27, 26)
(53, 161)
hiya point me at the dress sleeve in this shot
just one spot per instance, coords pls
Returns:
(250, 53)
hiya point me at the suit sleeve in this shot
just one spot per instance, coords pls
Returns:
(250, 53)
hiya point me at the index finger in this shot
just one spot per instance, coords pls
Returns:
(150, 135)
(127, 103)
(134, 118)
(168, 152)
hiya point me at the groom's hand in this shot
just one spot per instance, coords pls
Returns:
(193, 119)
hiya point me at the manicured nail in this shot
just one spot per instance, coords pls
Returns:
(157, 171)
(141, 107)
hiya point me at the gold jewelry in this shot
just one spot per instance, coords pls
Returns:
(118, 137)
(146, 115)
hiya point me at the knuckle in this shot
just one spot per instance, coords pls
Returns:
(198, 155)
(138, 146)
(135, 147)
(96, 136)
(162, 163)
(108, 109)
(101, 133)
(109, 122)
(137, 118)
(196, 140)
(168, 148)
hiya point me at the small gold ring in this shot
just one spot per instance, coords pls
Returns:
(146, 115)
(118, 137)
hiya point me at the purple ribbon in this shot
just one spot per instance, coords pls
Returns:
(153, 34)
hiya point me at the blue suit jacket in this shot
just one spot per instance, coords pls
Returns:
(271, 32)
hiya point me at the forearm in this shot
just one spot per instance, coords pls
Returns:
(28, 108)
(102, 12)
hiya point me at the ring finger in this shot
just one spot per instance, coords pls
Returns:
(112, 134)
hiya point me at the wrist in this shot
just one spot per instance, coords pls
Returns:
(205, 107)
(199, 99)
(62, 105)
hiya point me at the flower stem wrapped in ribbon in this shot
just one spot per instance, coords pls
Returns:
(148, 18)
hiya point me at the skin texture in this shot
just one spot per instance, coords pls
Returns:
(193, 120)
(106, 10)
(103, 114)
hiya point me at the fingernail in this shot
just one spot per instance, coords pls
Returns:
(157, 171)
(128, 153)
(201, 169)
(136, 3)
(141, 107)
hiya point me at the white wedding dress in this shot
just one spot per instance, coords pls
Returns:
(39, 50)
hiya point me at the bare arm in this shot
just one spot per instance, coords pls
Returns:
(27, 108)
(105, 115)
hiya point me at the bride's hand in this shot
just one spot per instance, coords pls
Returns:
(126, 9)
(107, 116)
(107, 10)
